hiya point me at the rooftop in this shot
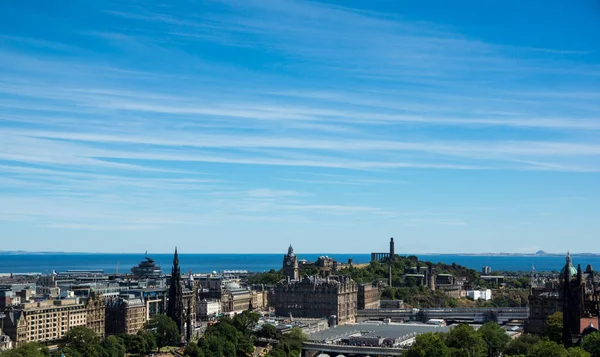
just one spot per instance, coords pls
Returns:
(374, 328)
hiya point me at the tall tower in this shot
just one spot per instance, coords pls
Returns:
(391, 261)
(566, 280)
(290, 265)
(175, 303)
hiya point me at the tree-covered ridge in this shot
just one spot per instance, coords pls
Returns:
(408, 289)
(374, 271)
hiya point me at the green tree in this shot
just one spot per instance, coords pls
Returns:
(521, 345)
(547, 348)
(296, 334)
(577, 352)
(211, 345)
(451, 302)
(150, 340)
(428, 345)
(113, 347)
(245, 321)
(31, 349)
(67, 352)
(463, 340)
(193, 350)
(495, 338)
(228, 349)
(554, 327)
(165, 331)
(135, 344)
(84, 341)
(591, 343)
(267, 331)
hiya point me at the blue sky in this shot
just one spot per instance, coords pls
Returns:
(246, 125)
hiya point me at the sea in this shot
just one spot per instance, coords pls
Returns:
(46, 263)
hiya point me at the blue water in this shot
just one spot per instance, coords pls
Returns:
(204, 263)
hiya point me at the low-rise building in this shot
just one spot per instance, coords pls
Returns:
(209, 309)
(485, 294)
(5, 342)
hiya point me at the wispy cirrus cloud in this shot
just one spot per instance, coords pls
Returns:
(144, 117)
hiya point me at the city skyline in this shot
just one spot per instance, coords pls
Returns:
(244, 126)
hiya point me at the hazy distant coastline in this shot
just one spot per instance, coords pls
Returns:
(488, 254)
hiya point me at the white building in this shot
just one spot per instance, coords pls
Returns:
(5, 342)
(480, 294)
(209, 309)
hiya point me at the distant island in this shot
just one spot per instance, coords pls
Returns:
(504, 254)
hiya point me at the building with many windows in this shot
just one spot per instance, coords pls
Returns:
(125, 315)
(334, 296)
(369, 296)
(44, 321)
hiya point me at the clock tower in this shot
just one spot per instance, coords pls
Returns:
(290, 265)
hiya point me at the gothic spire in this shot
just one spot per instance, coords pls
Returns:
(175, 303)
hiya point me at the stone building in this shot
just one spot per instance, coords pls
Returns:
(543, 302)
(154, 299)
(189, 298)
(44, 321)
(576, 295)
(260, 299)
(314, 297)
(368, 296)
(209, 309)
(125, 315)
(235, 299)
(580, 303)
(95, 307)
(290, 265)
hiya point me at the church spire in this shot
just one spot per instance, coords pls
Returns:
(175, 303)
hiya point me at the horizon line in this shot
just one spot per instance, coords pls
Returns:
(308, 253)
